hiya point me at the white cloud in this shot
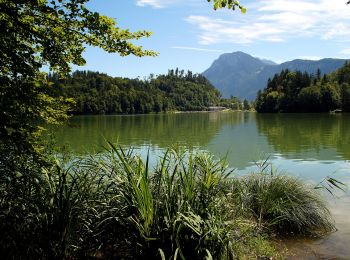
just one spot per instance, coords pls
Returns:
(157, 3)
(153, 3)
(195, 49)
(217, 30)
(277, 20)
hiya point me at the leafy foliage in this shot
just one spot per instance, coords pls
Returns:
(232, 103)
(54, 33)
(230, 4)
(301, 92)
(97, 93)
(35, 34)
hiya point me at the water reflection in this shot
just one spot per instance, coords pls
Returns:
(307, 136)
(310, 146)
(240, 143)
(242, 137)
(158, 130)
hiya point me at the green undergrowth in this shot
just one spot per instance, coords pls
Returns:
(189, 206)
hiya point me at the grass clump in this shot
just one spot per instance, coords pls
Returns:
(178, 210)
(189, 206)
(283, 204)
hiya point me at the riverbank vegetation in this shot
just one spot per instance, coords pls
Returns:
(300, 92)
(188, 206)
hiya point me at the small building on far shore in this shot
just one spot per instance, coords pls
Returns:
(216, 108)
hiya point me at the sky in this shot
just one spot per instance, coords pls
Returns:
(190, 35)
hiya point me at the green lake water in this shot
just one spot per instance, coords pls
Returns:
(309, 146)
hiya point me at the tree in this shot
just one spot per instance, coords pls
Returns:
(330, 97)
(345, 96)
(230, 4)
(309, 99)
(54, 34)
(318, 74)
(246, 105)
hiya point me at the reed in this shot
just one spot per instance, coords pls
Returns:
(115, 205)
(284, 204)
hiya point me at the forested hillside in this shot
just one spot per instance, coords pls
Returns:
(97, 93)
(302, 92)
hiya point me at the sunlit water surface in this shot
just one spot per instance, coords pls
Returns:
(309, 146)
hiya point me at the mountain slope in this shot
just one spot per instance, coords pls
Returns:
(241, 75)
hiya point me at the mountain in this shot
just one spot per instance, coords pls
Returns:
(242, 75)
(268, 62)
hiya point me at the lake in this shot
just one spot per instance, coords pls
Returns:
(309, 146)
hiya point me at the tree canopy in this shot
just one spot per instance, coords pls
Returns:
(43, 34)
(230, 4)
(291, 91)
(98, 93)
(54, 33)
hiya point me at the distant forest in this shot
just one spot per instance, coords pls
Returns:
(301, 92)
(98, 93)
(287, 91)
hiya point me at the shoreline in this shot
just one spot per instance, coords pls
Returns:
(168, 112)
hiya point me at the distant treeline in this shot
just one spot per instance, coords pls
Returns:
(98, 93)
(302, 92)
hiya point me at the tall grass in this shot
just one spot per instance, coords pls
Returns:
(189, 206)
(285, 204)
(174, 209)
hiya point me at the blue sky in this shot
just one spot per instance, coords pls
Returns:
(189, 34)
